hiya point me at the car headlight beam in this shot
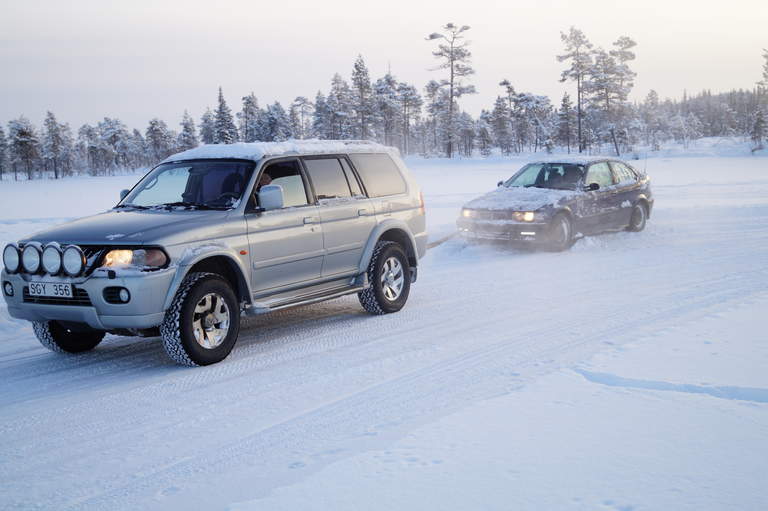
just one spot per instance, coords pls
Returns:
(145, 258)
(11, 258)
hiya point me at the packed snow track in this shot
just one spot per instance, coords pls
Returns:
(123, 427)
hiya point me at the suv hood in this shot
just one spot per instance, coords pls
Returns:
(129, 227)
(521, 199)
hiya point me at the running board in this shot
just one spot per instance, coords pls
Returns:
(337, 293)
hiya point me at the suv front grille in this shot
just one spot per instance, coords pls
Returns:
(81, 298)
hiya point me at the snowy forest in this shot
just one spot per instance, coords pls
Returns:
(596, 117)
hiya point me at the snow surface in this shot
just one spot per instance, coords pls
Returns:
(626, 373)
(258, 150)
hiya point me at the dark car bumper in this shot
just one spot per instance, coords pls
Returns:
(503, 230)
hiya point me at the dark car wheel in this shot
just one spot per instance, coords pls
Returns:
(57, 337)
(639, 218)
(560, 233)
(202, 324)
(389, 276)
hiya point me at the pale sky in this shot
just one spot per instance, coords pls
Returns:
(86, 59)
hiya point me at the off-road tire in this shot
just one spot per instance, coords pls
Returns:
(176, 330)
(638, 218)
(557, 242)
(56, 337)
(372, 298)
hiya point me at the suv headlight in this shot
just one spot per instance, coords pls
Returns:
(524, 216)
(142, 259)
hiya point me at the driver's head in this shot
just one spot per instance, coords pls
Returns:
(265, 179)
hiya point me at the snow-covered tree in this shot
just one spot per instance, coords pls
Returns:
(225, 131)
(248, 118)
(499, 120)
(277, 126)
(53, 142)
(321, 117)
(160, 140)
(188, 136)
(484, 140)
(208, 127)
(3, 153)
(577, 51)
(387, 105)
(759, 130)
(340, 109)
(565, 122)
(362, 103)
(410, 107)
(301, 115)
(455, 57)
(23, 144)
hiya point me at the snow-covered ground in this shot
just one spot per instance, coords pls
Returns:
(627, 373)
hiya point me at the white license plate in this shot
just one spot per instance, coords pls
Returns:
(50, 289)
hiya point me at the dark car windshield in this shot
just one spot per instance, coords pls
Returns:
(559, 176)
(203, 184)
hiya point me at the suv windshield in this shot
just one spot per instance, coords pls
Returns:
(559, 176)
(204, 184)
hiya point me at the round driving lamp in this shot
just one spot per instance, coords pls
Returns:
(73, 261)
(30, 258)
(11, 258)
(51, 259)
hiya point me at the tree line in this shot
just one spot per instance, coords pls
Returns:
(426, 121)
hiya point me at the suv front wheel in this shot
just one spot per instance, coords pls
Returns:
(389, 276)
(202, 323)
(57, 337)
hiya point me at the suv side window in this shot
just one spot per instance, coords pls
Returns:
(327, 178)
(351, 178)
(379, 174)
(600, 173)
(287, 174)
(623, 173)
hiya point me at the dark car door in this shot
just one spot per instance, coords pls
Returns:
(599, 208)
(627, 189)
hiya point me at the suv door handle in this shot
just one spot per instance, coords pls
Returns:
(310, 219)
(362, 212)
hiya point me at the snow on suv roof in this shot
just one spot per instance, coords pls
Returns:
(576, 160)
(258, 150)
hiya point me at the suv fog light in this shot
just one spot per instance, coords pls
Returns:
(124, 295)
(116, 295)
(8, 288)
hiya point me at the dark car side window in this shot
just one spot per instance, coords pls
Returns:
(327, 178)
(379, 174)
(600, 173)
(624, 174)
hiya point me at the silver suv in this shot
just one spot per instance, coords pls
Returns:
(217, 231)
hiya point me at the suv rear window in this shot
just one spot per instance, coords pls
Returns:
(379, 174)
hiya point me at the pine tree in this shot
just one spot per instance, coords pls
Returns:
(159, 139)
(225, 131)
(456, 58)
(321, 121)
(499, 120)
(53, 142)
(340, 109)
(362, 104)
(277, 127)
(208, 127)
(565, 122)
(758, 133)
(23, 144)
(3, 153)
(577, 50)
(248, 117)
(385, 97)
(483, 134)
(301, 114)
(410, 106)
(188, 136)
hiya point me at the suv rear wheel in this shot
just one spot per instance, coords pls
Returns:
(389, 276)
(202, 324)
(57, 337)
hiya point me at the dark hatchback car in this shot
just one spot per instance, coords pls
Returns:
(552, 203)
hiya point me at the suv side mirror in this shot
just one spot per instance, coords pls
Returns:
(592, 187)
(123, 193)
(271, 197)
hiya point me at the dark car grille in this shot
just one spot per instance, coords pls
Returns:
(490, 214)
(80, 298)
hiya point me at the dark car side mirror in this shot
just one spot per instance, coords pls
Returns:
(592, 187)
(123, 194)
(499, 183)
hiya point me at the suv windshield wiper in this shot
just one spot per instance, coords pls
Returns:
(130, 206)
(191, 205)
